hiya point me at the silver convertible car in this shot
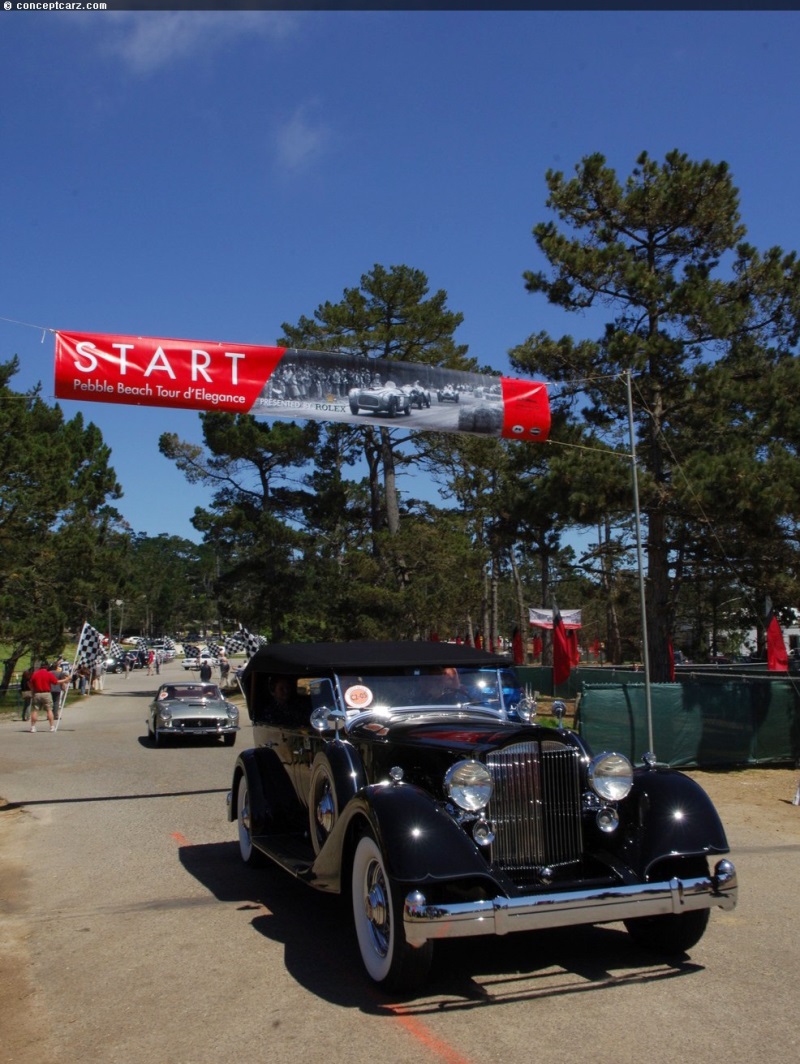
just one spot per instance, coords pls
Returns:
(191, 709)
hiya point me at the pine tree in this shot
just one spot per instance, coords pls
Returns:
(664, 254)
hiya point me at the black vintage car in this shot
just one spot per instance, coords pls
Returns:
(413, 779)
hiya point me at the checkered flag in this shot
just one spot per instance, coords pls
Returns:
(141, 646)
(246, 641)
(254, 643)
(215, 649)
(191, 651)
(169, 644)
(114, 649)
(90, 646)
(234, 643)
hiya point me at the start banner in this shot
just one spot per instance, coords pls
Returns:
(544, 618)
(285, 382)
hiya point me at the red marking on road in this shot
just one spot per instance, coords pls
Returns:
(425, 1037)
(180, 839)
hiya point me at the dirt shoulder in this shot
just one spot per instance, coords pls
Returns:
(758, 788)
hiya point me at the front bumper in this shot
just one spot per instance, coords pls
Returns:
(195, 729)
(501, 916)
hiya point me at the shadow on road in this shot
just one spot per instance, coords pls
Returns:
(320, 952)
(176, 739)
(126, 692)
(112, 798)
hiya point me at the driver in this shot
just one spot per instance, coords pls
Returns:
(440, 687)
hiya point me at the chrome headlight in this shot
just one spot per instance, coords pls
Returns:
(469, 784)
(233, 713)
(165, 715)
(611, 776)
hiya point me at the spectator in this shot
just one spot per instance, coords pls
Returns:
(25, 692)
(42, 681)
(83, 674)
(58, 689)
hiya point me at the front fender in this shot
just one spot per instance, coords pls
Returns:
(672, 816)
(421, 842)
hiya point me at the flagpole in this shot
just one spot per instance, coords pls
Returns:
(63, 705)
(640, 566)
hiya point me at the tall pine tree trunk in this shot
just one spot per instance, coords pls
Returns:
(523, 618)
(613, 638)
(658, 598)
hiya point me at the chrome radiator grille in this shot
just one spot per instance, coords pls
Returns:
(535, 809)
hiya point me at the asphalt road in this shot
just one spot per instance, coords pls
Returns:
(130, 932)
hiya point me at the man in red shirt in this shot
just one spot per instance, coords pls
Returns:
(41, 682)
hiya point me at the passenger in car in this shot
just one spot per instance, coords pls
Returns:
(281, 704)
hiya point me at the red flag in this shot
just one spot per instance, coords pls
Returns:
(574, 648)
(671, 661)
(562, 655)
(537, 646)
(517, 648)
(777, 658)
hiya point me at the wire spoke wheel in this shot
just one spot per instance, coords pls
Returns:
(378, 917)
(249, 854)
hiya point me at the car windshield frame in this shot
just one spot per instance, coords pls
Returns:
(426, 691)
(180, 692)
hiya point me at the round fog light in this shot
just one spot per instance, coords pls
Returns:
(607, 819)
(482, 833)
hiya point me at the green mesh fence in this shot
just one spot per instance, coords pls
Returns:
(701, 721)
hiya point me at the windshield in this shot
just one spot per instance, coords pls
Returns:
(190, 690)
(427, 688)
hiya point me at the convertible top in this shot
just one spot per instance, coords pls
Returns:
(357, 656)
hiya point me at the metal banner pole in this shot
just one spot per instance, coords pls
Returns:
(640, 565)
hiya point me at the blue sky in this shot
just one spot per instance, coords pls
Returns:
(210, 175)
